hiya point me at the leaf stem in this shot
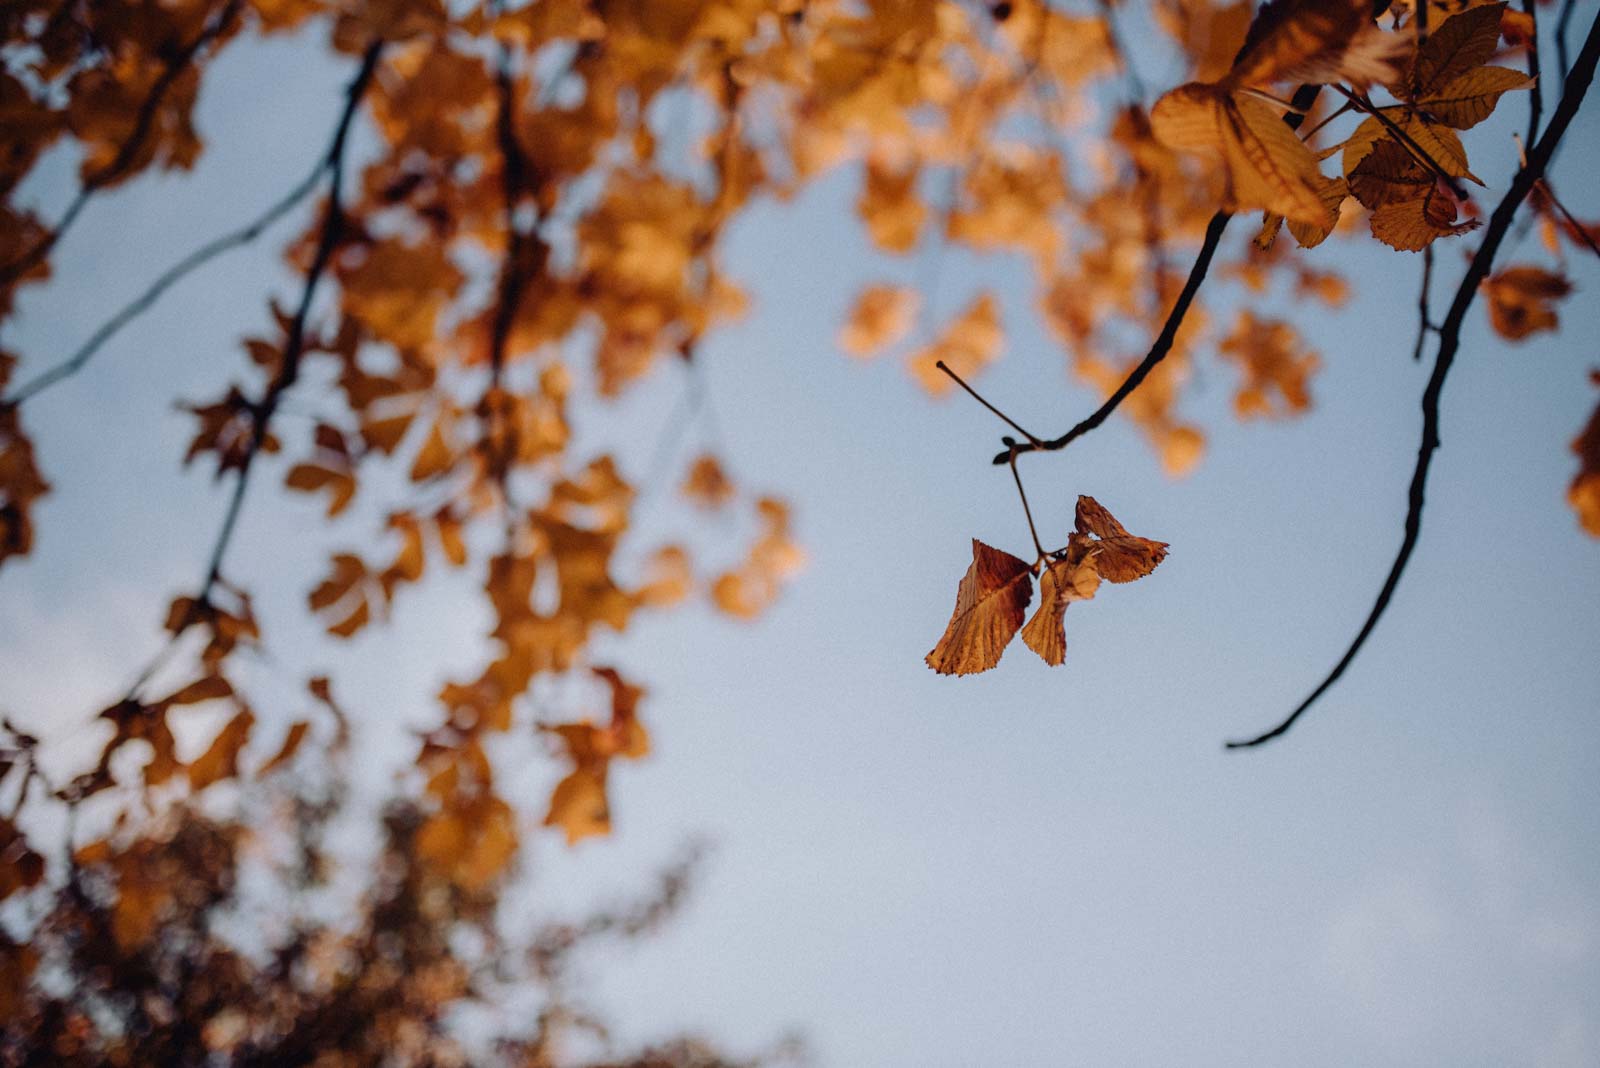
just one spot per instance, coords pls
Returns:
(1017, 477)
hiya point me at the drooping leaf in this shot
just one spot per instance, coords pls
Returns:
(991, 601)
(1317, 41)
(1117, 555)
(1072, 578)
(1471, 97)
(1268, 166)
(1462, 43)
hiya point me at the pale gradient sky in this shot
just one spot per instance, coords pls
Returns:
(1033, 866)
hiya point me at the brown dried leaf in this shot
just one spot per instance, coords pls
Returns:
(1118, 556)
(1268, 166)
(291, 745)
(1462, 43)
(991, 601)
(1522, 300)
(1584, 493)
(1063, 581)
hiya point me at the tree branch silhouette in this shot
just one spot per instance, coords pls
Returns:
(244, 235)
(1424, 316)
(294, 345)
(1158, 351)
(1572, 94)
(1304, 97)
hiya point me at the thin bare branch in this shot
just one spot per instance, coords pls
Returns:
(1572, 94)
(1535, 97)
(294, 345)
(244, 235)
(941, 365)
(1563, 20)
(1304, 97)
(1033, 530)
(1158, 351)
(1424, 317)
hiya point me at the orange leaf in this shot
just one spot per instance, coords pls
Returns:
(578, 805)
(991, 601)
(1522, 300)
(1584, 493)
(880, 317)
(967, 346)
(221, 759)
(286, 752)
(1063, 581)
(1118, 556)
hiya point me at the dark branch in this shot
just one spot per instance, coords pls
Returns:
(1572, 94)
(1424, 319)
(1535, 97)
(294, 344)
(1304, 97)
(1033, 530)
(514, 168)
(130, 148)
(941, 365)
(1563, 20)
(1157, 353)
(174, 274)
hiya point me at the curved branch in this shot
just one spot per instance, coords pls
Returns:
(170, 277)
(1304, 97)
(295, 342)
(1572, 94)
(1157, 353)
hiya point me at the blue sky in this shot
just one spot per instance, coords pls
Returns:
(1033, 866)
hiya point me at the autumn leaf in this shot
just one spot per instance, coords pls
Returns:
(990, 603)
(1411, 207)
(1584, 493)
(1462, 43)
(1117, 555)
(1471, 97)
(707, 485)
(1268, 167)
(1522, 300)
(889, 206)
(774, 557)
(1316, 41)
(286, 752)
(1275, 364)
(310, 478)
(1070, 578)
(578, 803)
(881, 316)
